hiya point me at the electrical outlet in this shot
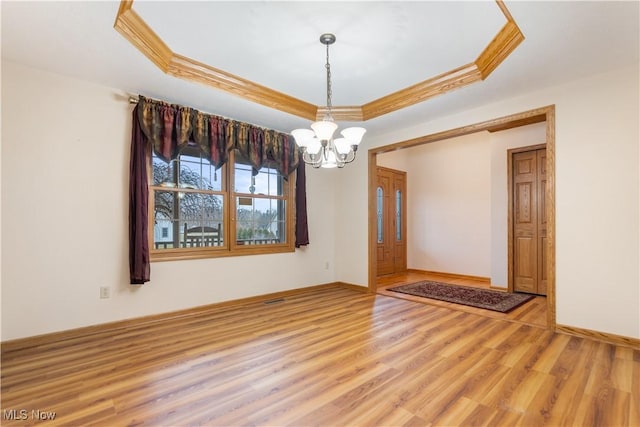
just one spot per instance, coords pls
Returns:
(326, 265)
(105, 292)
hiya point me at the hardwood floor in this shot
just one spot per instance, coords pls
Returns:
(327, 357)
(533, 312)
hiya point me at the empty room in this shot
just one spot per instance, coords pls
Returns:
(297, 213)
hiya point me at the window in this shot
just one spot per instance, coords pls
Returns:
(200, 212)
(261, 205)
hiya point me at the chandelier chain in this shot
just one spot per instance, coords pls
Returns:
(329, 93)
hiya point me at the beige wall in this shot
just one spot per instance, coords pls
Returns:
(64, 210)
(449, 211)
(398, 160)
(597, 197)
(65, 157)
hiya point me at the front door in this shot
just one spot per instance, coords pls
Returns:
(391, 221)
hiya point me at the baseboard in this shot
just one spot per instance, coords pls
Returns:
(37, 340)
(498, 288)
(352, 287)
(600, 336)
(480, 279)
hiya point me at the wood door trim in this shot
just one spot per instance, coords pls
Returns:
(525, 149)
(384, 168)
(510, 207)
(479, 279)
(543, 114)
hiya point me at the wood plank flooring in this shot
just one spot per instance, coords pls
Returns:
(327, 357)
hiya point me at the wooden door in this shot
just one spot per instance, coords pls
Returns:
(399, 226)
(391, 221)
(542, 221)
(383, 201)
(529, 221)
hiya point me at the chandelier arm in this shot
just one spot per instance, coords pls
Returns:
(340, 162)
(314, 161)
(350, 157)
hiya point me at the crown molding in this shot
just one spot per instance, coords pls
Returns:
(142, 37)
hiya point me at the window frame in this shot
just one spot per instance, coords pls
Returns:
(229, 198)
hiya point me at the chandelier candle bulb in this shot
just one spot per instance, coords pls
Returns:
(314, 146)
(317, 145)
(303, 136)
(353, 134)
(342, 146)
(324, 129)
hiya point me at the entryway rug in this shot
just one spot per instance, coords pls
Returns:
(474, 297)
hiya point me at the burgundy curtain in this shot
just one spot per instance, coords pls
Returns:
(139, 268)
(168, 128)
(302, 228)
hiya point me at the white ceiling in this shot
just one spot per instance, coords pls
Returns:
(381, 47)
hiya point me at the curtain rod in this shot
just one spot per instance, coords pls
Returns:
(133, 99)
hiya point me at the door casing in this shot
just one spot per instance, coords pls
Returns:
(543, 114)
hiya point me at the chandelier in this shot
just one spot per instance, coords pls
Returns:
(317, 145)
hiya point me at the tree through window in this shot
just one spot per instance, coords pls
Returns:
(196, 212)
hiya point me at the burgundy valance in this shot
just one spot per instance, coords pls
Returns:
(170, 127)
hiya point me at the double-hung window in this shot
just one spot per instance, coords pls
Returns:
(197, 211)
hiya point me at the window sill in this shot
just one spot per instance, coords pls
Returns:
(241, 250)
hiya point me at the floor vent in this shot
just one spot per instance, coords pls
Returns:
(274, 301)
